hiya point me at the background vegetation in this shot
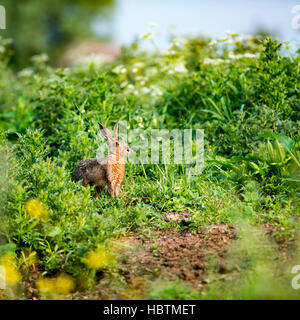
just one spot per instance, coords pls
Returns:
(49, 26)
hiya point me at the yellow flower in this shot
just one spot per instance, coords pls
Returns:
(62, 284)
(35, 208)
(9, 263)
(46, 285)
(12, 275)
(96, 259)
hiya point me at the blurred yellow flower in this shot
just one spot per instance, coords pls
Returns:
(12, 274)
(35, 208)
(62, 284)
(46, 285)
(211, 148)
(96, 259)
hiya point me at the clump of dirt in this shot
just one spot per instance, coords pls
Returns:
(30, 277)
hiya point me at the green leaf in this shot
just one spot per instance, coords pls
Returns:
(55, 231)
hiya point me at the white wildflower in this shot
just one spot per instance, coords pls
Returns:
(251, 55)
(124, 84)
(230, 41)
(156, 91)
(40, 58)
(213, 61)
(212, 43)
(180, 68)
(130, 87)
(169, 52)
(145, 90)
(25, 73)
(139, 65)
(176, 42)
(233, 56)
(118, 69)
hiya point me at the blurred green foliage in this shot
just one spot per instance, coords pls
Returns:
(48, 25)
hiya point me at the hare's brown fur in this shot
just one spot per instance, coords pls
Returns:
(108, 171)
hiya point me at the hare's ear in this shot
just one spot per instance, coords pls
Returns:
(115, 132)
(104, 131)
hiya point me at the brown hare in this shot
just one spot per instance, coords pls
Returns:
(108, 171)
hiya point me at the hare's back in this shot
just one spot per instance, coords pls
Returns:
(90, 171)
